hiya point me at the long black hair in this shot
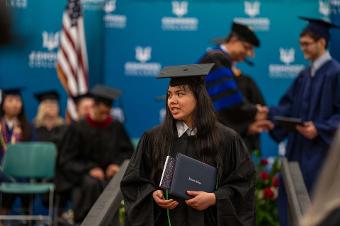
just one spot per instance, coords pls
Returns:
(24, 124)
(204, 120)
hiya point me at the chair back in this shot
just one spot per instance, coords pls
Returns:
(30, 160)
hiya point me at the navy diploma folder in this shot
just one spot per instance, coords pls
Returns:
(288, 122)
(191, 175)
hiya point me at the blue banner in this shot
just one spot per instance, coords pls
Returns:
(129, 41)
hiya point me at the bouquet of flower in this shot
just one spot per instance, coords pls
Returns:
(267, 183)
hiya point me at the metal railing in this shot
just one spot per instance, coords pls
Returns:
(105, 210)
(298, 198)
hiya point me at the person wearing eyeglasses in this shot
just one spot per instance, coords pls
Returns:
(230, 90)
(313, 97)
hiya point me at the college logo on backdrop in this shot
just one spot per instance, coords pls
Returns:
(143, 54)
(179, 23)
(287, 56)
(324, 8)
(50, 40)
(46, 58)
(113, 20)
(142, 67)
(253, 9)
(92, 4)
(286, 69)
(21, 4)
(179, 8)
(334, 6)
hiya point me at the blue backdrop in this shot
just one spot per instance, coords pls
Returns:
(128, 42)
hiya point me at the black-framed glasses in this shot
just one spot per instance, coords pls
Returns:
(306, 44)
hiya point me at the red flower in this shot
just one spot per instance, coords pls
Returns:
(276, 181)
(264, 175)
(264, 162)
(268, 193)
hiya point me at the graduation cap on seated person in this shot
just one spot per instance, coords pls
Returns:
(80, 97)
(319, 27)
(47, 95)
(104, 94)
(14, 91)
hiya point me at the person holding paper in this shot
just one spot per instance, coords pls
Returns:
(314, 97)
(190, 127)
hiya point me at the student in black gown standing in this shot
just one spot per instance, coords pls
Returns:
(190, 127)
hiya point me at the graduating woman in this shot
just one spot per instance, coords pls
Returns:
(14, 126)
(48, 124)
(191, 128)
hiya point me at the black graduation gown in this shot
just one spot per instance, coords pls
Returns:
(253, 95)
(234, 195)
(88, 145)
(54, 135)
(233, 108)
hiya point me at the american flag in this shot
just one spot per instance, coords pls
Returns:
(72, 64)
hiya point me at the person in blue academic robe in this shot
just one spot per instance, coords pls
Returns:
(230, 100)
(313, 97)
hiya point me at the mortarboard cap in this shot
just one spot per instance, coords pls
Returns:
(105, 94)
(82, 96)
(47, 95)
(12, 91)
(318, 27)
(185, 71)
(15, 91)
(245, 33)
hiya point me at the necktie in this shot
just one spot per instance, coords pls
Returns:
(306, 97)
